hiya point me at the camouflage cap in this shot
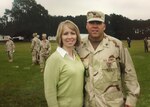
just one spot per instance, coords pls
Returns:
(44, 35)
(95, 16)
(8, 37)
(34, 34)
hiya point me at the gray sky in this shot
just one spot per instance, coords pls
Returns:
(133, 9)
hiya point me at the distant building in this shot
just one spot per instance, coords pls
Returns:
(53, 38)
(3, 37)
(50, 38)
(18, 38)
(83, 35)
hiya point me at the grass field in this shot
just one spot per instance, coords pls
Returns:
(21, 85)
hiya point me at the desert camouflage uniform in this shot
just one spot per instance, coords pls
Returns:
(35, 47)
(44, 52)
(148, 42)
(108, 68)
(10, 48)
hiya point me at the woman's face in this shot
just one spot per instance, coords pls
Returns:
(69, 38)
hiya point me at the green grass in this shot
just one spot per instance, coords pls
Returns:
(142, 65)
(21, 85)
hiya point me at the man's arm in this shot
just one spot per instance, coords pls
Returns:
(129, 79)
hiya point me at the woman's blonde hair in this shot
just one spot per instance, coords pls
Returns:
(71, 26)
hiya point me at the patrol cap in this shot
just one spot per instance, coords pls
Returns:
(95, 16)
(34, 34)
(8, 37)
(44, 35)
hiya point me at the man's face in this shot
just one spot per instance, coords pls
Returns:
(95, 29)
(44, 37)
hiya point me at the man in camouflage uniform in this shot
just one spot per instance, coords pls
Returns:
(44, 51)
(109, 67)
(148, 43)
(10, 49)
(35, 47)
(145, 44)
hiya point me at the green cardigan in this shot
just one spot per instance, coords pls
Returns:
(63, 81)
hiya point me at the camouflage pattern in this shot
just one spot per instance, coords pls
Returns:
(35, 48)
(95, 16)
(109, 68)
(148, 42)
(10, 48)
(145, 44)
(45, 49)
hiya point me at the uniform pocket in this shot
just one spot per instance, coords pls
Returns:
(106, 75)
(114, 97)
(110, 71)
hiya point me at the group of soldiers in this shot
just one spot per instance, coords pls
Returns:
(146, 43)
(40, 50)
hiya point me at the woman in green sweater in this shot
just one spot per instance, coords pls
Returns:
(64, 71)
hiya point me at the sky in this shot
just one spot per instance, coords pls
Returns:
(132, 9)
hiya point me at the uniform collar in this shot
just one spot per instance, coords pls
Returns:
(103, 44)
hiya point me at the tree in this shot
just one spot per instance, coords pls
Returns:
(121, 26)
(27, 17)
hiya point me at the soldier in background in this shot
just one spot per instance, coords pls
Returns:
(35, 46)
(109, 68)
(10, 49)
(38, 56)
(145, 44)
(148, 42)
(129, 42)
(45, 49)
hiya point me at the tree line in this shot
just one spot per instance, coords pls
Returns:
(26, 17)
